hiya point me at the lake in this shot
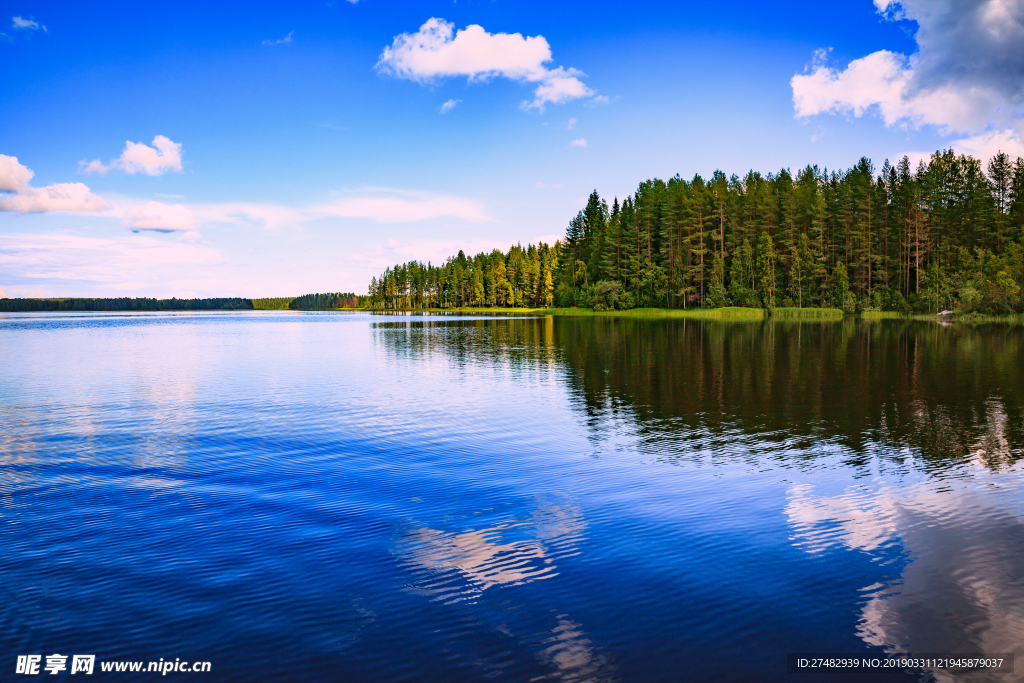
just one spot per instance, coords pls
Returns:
(339, 496)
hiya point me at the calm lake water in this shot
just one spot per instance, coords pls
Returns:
(320, 497)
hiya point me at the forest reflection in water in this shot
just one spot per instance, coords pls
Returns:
(919, 393)
(901, 440)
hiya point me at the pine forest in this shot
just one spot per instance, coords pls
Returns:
(946, 235)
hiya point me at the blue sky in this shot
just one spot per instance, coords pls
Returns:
(277, 149)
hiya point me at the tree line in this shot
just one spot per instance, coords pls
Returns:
(944, 235)
(123, 304)
(524, 276)
(312, 302)
(301, 303)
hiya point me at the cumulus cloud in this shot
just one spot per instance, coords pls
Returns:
(579, 142)
(20, 197)
(886, 79)
(159, 217)
(13, 176)
(55, 197)
(965, 75)
(449, 105)
(434, 52)
(137, 157)
(287, 40)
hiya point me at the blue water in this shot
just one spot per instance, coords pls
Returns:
(332, 496)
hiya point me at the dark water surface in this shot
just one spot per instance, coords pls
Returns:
(320, 497)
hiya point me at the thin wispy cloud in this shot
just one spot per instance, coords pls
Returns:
(287, 40)
(20, 23)
(579, 142)
(381, 205)
(401, 206)
(159, 217)
(438, 51)
(116, 263)
(449, 105)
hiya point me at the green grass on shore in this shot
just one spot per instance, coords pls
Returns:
(898, 315)
(882, 315)
(731, 313)
(805, 313)
(728, 313)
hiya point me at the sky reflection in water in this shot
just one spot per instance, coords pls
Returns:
(314, 496)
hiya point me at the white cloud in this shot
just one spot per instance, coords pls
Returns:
(191, 236)
(885, 79)
(433, 52)
(137, 157)
(561, 85)
(965, 75)
(94, 166)
(571, 123)
(159, 217)
(21, 23)
(543, 186)
(287, 40)
(449, 105)
(55, 197)
(20, 197)
(579, 142)
(985, 146)
(13, 176)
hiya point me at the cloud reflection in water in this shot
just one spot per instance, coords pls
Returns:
(962, 538)
(459, 566)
